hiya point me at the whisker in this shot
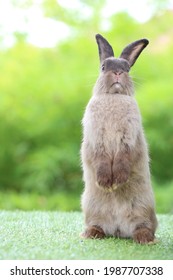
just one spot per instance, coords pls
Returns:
(89, 85)
(137, 83)
(137, 80)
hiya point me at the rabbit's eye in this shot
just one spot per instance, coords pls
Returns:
(103, 67)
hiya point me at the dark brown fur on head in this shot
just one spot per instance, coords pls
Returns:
(114, 71)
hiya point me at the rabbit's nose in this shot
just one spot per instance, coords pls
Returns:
(118, 73)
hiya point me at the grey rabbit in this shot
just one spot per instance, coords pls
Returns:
(118, 198)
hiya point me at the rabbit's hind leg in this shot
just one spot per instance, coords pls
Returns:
(143, 235)
(93, 232)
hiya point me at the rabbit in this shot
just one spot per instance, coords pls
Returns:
(118, 198)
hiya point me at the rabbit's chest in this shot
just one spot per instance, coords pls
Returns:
(105, 122)
(109, 113)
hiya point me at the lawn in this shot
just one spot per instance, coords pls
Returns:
(55, 235)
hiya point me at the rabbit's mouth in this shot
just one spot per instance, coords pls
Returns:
(116, 88)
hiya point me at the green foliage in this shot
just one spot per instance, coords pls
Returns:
(61, 201)
(43, 94)
(39, 122)
(155, 100)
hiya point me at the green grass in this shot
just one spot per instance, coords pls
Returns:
(55, 235)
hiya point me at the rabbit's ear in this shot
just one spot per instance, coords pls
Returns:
(105, 49)
(133, 50)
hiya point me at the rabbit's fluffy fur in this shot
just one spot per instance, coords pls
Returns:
(118, 198)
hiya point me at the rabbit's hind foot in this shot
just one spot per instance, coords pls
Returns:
(93, 232)
(144, 235)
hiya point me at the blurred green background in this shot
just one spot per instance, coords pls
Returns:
(45, 85)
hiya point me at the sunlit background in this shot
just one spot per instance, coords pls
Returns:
(48, 66)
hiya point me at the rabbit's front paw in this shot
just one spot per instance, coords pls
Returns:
(104, 176)
(121, 173)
